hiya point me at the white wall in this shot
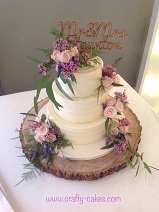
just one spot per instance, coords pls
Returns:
(148, 79)
(25, 24)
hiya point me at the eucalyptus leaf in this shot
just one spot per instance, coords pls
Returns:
(129, 162)
(108, 146)
(136, 162)
(134, 151)
(137, 169)
(50, 94)
(73, 78)
(147, 167)
(117, 85)
(154, 168)
(43, 117)
(47, 52)
(36, 104)
(41, 83)
(106, 125)
(28, 114)
(61, 89)
(113, 138)
(67, 81)
(34, 60)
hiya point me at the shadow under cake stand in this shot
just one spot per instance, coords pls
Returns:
(92, 169)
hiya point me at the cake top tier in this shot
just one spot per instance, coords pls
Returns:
(88, 80)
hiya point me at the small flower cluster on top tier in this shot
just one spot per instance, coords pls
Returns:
(109, 77)
(68, 58)
(116, 128)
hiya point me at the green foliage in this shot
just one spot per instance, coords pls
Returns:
(96, 52)
(108, 146)
(73, 78)
(28, 114)
(117, 85)
(43, 117)
(117, 61)
(34, 60)
(54, 31)
(50, 94)
(67, 81)
(139, 159)
(41, 83)
(31, 174)
(47, 52)
(61, 89)
(36, 104)
(107, 125)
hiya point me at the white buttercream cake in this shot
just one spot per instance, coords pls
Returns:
(81, 120)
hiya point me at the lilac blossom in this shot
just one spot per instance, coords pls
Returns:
(124, 122)
(120, 147)
(42, 68)
(109, 71)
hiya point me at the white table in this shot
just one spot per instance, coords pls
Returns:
(136, 194)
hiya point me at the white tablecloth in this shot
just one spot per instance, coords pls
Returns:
(137, 194)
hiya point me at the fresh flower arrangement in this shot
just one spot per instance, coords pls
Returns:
(44, 139)
(44, 142)
(117, 129)
(109, 76)
(63, 59)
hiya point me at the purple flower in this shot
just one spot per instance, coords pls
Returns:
(109, 71)
(52, 150)
(67, 68)
(61, 45)
(120, 147)
(35, 153)
(43, 69)
(122, 96)
(37, 125)
(124, 122)
(109, 141)
(54, 130)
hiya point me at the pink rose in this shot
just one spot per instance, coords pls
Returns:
(42, 130)
(74, 51)
(110, 101)
(50, 137)
(55, 55)
(64, 57)
(123, 129)
(114, 131)
(116, 79)
(107, 82)
(110, 112)
(119, 105)
(39, 138)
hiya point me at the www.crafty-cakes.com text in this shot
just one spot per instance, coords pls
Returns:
(81, 199)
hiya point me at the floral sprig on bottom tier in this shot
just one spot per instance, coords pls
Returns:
(44, 141)
(117, 129)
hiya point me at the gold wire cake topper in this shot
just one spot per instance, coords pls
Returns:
(93, 31)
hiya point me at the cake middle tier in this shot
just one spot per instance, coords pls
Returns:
(78, 133)
(81, 109)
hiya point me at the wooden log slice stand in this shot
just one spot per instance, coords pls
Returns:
(88, 169)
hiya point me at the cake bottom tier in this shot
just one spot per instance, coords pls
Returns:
(79, 133)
